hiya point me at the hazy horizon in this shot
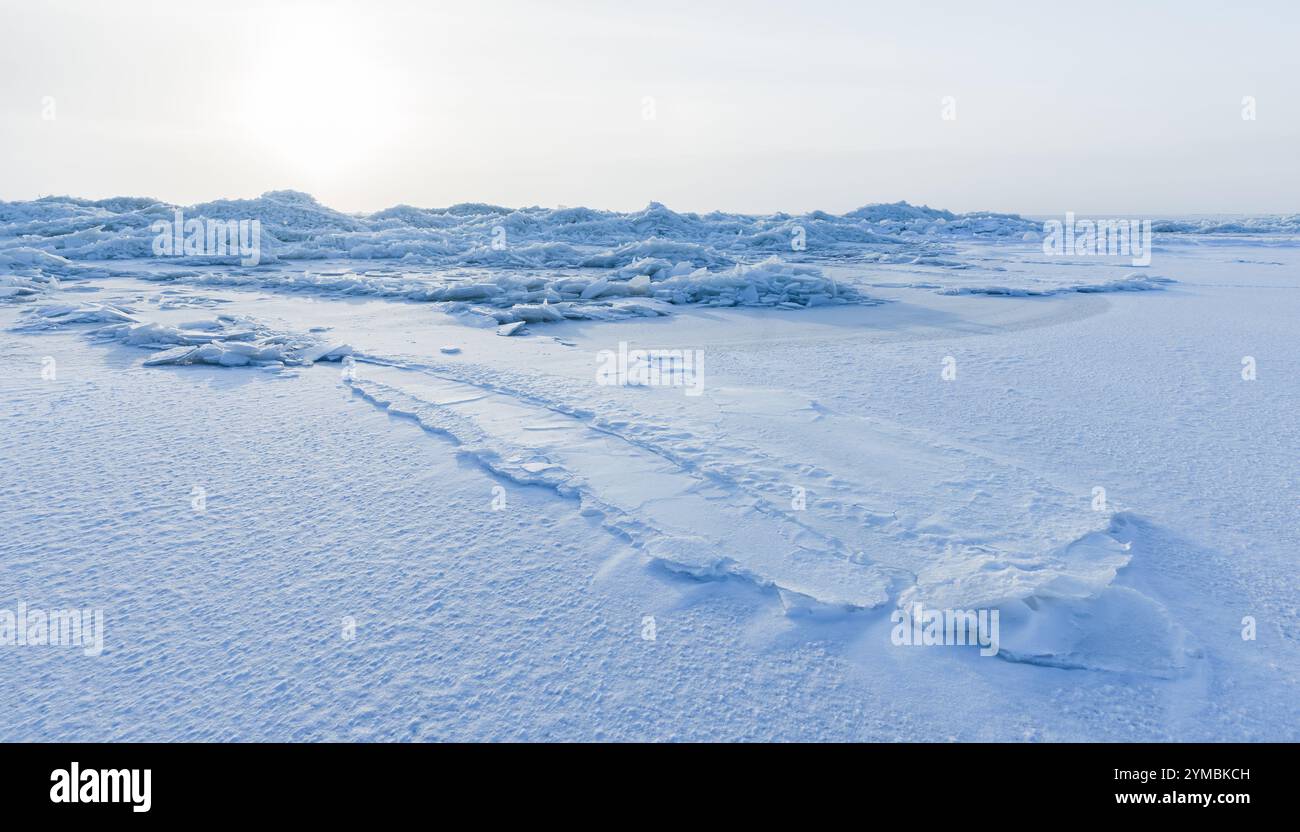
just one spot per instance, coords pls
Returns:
(753, 108)
(1082, 215)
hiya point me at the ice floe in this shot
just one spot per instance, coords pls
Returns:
(226, 340)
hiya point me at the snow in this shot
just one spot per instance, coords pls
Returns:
(499, 526)
(581, 258)
(1128, 283)
(296, 227)
(226, 340)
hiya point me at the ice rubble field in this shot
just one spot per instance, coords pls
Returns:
(500, 526)
(495, 265)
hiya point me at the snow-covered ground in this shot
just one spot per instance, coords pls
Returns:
(321, 497)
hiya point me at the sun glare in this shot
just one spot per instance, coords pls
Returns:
(318, 99)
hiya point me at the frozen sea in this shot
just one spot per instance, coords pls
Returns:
(371, 488)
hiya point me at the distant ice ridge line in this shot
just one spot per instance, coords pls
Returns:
(622, 264)
(1261, 225)
(498, 266)
(295, 226)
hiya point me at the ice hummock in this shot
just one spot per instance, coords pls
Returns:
(294, 226)
(226, 340)
(495, 265)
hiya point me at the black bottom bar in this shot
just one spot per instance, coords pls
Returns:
(249, 781)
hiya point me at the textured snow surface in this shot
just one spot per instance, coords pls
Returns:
(499, 527)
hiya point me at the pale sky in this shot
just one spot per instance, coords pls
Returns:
(750, 106)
